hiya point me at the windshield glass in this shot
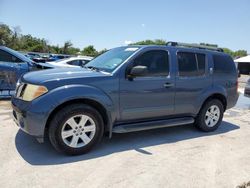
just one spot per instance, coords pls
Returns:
(110, 60)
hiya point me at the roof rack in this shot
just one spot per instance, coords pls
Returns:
(198, 46)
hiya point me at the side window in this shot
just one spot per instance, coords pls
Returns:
(223, 64)
(191, 64)
(84, 62)
(156, 61)
(74, 62)
(187, 64)
(7, 57)
(201, 60)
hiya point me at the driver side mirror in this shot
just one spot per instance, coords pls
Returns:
(138, 71)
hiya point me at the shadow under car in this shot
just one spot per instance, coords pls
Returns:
(44, 154)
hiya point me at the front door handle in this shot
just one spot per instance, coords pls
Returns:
(167, 85)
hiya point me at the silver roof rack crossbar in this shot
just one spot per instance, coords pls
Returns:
(199, 46)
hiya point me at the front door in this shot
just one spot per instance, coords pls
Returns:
(151, 95)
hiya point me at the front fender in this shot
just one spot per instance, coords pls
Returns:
(54, 98)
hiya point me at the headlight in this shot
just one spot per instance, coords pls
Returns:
(31, 92)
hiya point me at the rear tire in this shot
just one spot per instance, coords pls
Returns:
(210, 116)
(76, 129)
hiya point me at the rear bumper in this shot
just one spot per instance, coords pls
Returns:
(232, 100)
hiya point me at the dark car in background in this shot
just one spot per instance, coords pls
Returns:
(126, 89)
(12, 66)
(247, 89)
(55, 57)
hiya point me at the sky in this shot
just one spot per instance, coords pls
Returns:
(112, 23)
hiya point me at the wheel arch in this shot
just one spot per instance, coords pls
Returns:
(218, 96)
(95, 104)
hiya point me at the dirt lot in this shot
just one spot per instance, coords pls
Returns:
(170, 157)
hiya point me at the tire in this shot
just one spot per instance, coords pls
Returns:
(210, 116)
(76, 129)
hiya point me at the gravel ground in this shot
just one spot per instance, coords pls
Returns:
(169, 157)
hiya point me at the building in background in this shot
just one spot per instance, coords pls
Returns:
(243, 64)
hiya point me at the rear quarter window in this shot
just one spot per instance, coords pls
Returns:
(223, 64)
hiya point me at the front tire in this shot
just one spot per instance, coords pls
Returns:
(210, 115)
(76, 129)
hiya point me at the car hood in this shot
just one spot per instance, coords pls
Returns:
(57, 74)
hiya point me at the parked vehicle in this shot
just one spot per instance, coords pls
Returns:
(247, 89)
(71, 62)
(12, 65)
(55, 57)
(126, 89)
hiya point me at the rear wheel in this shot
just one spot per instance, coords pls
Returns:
(76, 129)
(210, 115)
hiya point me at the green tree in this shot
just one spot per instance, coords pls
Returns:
(102, 51)
(66, 47)
(150, 42)
(90, 51)
(240, 53)
(5, 35)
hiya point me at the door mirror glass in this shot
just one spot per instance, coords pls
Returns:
(139, 71)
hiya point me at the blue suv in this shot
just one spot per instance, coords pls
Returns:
(12, 66)
(126, 89)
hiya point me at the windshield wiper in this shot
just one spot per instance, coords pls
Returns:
(92, 68)
(96, 69)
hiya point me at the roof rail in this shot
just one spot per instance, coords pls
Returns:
(198, 46)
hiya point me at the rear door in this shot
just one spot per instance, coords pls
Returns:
(11, 68)
(192, 81)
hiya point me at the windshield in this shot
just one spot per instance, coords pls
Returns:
(110, 60)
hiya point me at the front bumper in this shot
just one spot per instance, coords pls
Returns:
(30, 117)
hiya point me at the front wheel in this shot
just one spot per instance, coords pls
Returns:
(76, 129)
(210, 116)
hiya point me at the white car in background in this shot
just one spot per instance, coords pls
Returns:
(71, 62)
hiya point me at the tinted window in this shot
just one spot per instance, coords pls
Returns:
(156, 61)
(83, 62)
(191, 64)
(187, 64)
(7, 57)
(223, 64)
(201, 58)
(74, 62)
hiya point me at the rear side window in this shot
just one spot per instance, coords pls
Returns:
(223, 64)
(7, 57)
(191, 64)
(74, 62)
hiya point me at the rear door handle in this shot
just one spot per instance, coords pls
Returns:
(167, 85)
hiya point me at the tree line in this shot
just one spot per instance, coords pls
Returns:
(12, 38)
